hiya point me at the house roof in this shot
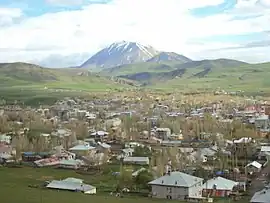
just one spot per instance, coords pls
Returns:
(135, 159)
(220, 183)
(135, 173)
(177, 179)
(206, 152)
(105, 145)
(74, 180)
(243, 140)
(71, 162)
(81, 148)
(69, 185)
(255, 164)
(262, 196)
(100, 133)
(128, 150)
(265, 149)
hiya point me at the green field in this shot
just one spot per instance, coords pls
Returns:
(15, 182)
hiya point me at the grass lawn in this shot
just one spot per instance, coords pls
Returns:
(15, 181)
(34, 96)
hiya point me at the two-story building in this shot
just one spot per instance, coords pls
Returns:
(177, 185)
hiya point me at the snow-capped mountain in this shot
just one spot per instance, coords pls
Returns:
(120, 53)
(169, 56)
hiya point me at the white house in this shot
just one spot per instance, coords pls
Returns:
(72, 184)
(5, 139)
(253, 167)
(136, 160)
(177, 185)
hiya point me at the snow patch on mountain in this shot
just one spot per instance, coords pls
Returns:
(120, 53)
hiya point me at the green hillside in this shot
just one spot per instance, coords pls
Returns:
(249, 78)
(155, 67)
(32, 84)
(204, 75)
(28, 75)
(140, 67)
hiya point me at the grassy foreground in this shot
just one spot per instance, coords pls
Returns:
(14, 187)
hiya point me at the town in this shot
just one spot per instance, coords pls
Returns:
(198, 148)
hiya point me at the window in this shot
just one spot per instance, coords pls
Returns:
(169, 189)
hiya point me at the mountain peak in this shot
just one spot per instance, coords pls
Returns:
(121, 53)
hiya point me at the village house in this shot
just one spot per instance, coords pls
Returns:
(82, 149)
(103, 147)
(99, 135)
(71, 163)
(72, 184)
(136, 160)
(5, 139)
(127, 152)
(218, 187)
(6, 152)
(163, 133)
(62, 133)
(178, 186)
(262, 196)
(253, 167)
(262, 122)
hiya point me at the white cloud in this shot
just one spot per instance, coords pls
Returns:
(65, 2)
(164, 24)
(8, 15)
(251, 55)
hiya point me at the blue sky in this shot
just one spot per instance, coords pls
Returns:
(81, 27)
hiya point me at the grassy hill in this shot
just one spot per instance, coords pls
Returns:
(196, 69)
(34, 84)
(230, 75)
(249, 78)
(29, 75)
(140, 67)
(154, 67)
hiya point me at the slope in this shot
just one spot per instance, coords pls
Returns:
(253, 78)
(26, 75)
(169, 56)
(208, 74)
(140, 67)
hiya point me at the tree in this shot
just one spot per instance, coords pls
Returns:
(125, 178)
(143, 178)
(142, 151)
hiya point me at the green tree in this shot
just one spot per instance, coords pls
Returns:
(125, 178)
(142, 151)
(143, 178)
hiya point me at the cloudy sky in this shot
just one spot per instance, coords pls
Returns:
(67, 32)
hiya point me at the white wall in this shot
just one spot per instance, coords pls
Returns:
(160, 191)
(196, 190)
(93, 191)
